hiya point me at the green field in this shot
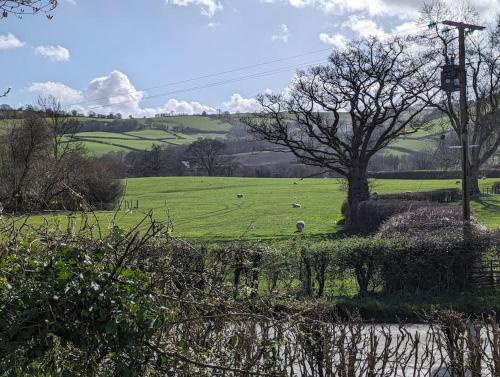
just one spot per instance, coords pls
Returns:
(202, 123)
(99, 143)
(208, 208)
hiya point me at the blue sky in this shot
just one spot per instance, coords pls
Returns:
(100, 54)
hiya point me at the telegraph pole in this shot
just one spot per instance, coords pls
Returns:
(464, 114)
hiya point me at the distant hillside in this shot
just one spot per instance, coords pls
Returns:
(142, 134)
(103, 135)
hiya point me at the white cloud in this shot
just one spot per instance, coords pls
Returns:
(55, 53)
(337, 40)
(282, 35)
(488, 9)
(365, 27)
(208, 7)
(182, 107)
(213, 24)
(9, 40)
(114, 93)
(239, 104)
(62, 92)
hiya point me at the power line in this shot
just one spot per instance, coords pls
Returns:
(279, 70)
(205, 76)
(217, 83)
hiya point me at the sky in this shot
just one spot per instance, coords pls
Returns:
(146, 57)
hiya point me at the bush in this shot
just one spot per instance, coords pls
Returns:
(433, 255)
(373, 213)
(426, 219)
(440, 195)
(67, 304)
(436, 263)
(361, 256)
(428, 174)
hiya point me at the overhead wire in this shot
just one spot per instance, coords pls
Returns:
(213, 84)
(197, 78)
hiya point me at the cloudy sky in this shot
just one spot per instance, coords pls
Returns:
(118, 56)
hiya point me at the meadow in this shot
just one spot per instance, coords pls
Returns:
(208, 208)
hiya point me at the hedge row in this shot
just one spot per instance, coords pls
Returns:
(428, 174)
(440, 195)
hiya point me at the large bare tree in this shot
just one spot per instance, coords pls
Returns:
(483, 79)
(338, 116)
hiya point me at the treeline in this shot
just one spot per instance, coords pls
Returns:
(40, 170)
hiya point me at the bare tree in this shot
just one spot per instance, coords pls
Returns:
(483, 79)
(338, 116)
(207, 154)
(20, 8)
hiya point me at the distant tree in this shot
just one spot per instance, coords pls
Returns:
(338, 116)
(207, 154)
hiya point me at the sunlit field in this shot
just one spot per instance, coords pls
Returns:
(208, 208)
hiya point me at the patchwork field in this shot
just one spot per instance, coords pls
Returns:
(208, 208)
(163, 131)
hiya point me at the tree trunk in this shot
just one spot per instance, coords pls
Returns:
(475, 192)
(358, 191)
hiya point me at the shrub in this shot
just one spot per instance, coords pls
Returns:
(435, 263)
(440, 195)
(316, 260)
(425, 219)
(361, 256)
(67, 304)
(428, 174)
(373, 213)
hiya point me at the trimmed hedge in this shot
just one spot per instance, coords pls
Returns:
(372, 213)
(428, 174)
(427, 219)
(440, 195)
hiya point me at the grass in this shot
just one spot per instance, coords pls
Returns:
(202, 123)
(99, 143)
(208, 208)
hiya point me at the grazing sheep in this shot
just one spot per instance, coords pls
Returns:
(296, 205)
(240, 196)
(300, 226)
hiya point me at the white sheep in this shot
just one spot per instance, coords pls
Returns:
(296, 205)
(300, 226)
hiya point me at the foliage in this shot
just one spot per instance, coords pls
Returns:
(40, 171)
(71, 306)
(429, 174)
(375, 212)
(439, 195)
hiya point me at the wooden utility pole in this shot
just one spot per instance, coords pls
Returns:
(464, 114)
